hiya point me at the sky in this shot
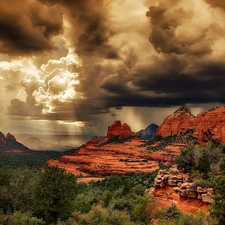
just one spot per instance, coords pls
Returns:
(76, 66)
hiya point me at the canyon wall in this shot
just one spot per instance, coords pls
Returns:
(206, 126)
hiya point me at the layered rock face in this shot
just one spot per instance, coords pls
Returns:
(211, 125)
(116, 157)
(149, 132)
(119, 130)
(206, 126)
(179, 122)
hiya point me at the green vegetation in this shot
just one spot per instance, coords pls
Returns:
(160, 143)
(219, 199)
(203, 159)
(183, 219)
(29, 159)
(52, 197)
(116, 140)
(54, 194)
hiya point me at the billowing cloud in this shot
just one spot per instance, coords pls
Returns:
(27, 27)
(91, 31)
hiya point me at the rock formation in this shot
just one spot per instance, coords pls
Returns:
(182, 186)
(9, 142)
(2, 139)
(120, 131)
(10, 137)
(149, 132)
(206, 126)
(94, 141)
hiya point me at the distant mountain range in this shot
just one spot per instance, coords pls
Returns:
(149, 132)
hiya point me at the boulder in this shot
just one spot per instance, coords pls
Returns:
(182, 192)
(207, 198)
(192, 194)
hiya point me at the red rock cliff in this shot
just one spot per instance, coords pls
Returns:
(206, 126)
(211, 125)
(119, 130)
(179, 122)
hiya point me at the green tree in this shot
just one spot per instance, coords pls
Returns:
(19, 218)
(54, 195)
(222, 165)
(204, 164)
(186, 159)
(143, 209)
(219, 199)
(16, 190)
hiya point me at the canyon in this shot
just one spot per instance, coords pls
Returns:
(122, 151)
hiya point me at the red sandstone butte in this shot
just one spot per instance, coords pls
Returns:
(119, 130)
(207, 126)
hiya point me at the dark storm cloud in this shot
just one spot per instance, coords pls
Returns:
(27, 27)
(21, 108)
(163, 34)
(186, 67)
(91, 31)
(216, 3)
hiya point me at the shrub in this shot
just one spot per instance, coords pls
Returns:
(202, 183)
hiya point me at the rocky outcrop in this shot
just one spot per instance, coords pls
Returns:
(206, 126)
(211, 125)
(94, 141)
(2, 139)
(182, 186)
(9, 142)
(10, 137)
(120, 131)
(179, 122)
(149, 132)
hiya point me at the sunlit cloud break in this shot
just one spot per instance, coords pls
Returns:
(57, 83)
